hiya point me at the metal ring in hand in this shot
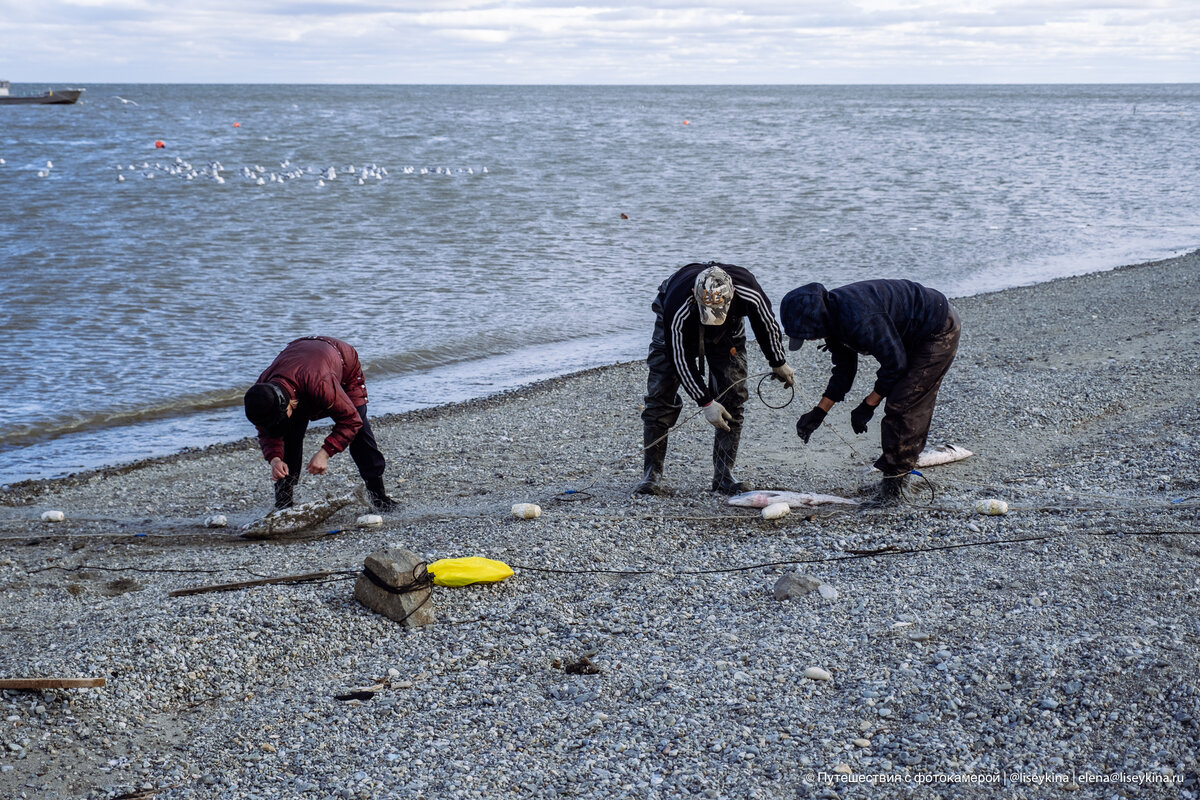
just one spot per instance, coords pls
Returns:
(760, 392)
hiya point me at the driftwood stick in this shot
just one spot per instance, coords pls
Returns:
(229, 587)
(51, 683)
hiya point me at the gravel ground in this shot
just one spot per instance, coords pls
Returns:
(1072, 657)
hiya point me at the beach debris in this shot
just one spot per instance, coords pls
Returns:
(795, 585)
(776, 511)
(53, 516)
(229, 587)
(52, 683)
(992, 507)
(361, 695)
(526, 510)
(583, 666)
(766, 497)
(370, 519)
(817, 674)
(216, 521)
(296, 518)
(395, 583)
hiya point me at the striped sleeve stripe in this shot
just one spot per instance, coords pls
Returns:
(759, 301)
(679, 354)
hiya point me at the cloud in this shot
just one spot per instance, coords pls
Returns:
(530, 41)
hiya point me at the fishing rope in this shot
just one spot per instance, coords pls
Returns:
(851, 555)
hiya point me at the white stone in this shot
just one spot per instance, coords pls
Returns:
(370, 519)
(776, 510)
(526, 510)
(216, 521)
(827, 591)
(862, 742)
(817, 674)
(992, 507)
(53, 516)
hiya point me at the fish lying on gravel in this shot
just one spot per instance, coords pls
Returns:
(296, 518)
(767, 497)
(933, 456)
(942, 454)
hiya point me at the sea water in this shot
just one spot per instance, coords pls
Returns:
(487, 237)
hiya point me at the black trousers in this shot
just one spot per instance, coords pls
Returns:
(363, 449)
(909, 407)
(725, 354)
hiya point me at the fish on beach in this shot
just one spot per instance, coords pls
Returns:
(767, 497)
(933, 456)
(297, 518)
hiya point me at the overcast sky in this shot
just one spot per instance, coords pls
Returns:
(564, 41)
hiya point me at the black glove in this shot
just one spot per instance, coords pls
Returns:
(809, 423)
(860, 416)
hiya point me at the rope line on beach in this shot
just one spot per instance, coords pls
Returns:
(889, 550)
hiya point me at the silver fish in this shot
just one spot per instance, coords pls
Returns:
(942, 454)
(296, 518)
(765, 497)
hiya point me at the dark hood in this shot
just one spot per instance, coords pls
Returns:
(804, 312)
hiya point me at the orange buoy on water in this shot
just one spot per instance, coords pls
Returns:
(159, 144)
(237, 124)
(685, 122)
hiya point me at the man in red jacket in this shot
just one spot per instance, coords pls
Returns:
(315, 377)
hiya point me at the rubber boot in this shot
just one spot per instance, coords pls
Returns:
(889, 494)
(654, 439)
(378, 495)
(725, 450)
(283, 492)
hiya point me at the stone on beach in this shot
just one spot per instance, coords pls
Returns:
(794, 584)
(53, 516)
(397, 569)
(817, 674)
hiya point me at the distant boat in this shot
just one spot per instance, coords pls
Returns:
(62, 97)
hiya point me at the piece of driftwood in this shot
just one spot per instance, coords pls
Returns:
(51, 683)
(229, 587)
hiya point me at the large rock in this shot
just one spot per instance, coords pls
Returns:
(395, 568)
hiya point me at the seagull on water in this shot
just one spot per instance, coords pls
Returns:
(124, 101)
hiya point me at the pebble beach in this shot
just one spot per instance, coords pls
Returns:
(925, 651)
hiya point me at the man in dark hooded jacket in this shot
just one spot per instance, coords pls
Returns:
(699, 319)
(315, 377)
(911, 330)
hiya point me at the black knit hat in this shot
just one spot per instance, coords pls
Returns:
(266, 405)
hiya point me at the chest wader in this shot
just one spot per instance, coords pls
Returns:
(908, 411)
(723, 348)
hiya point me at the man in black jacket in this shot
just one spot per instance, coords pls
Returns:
(911, 330)
(699, 316)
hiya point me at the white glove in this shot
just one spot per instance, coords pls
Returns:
(785, 374)
(717, 416)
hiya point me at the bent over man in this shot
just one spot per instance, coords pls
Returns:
(699, 316)
(315, 377)
(911, 330)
